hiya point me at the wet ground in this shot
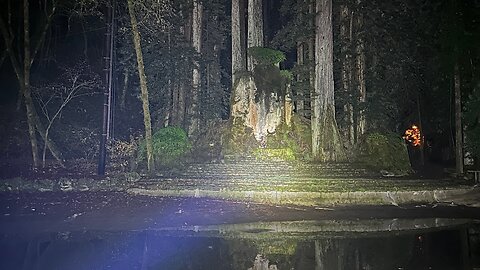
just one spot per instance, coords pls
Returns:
(116, 230)
(119, 211)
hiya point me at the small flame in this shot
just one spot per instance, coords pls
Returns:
(413, 136)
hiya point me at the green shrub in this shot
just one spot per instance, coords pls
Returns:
(169, 145)
(266, 56)
(287, 74)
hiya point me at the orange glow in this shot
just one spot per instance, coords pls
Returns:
(413, 136)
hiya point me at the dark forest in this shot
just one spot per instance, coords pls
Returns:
(395, 64)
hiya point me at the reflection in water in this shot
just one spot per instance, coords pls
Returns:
(453, 248)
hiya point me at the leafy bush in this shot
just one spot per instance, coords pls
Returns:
(169, 145)
(266, 56)
(287, 74)
(122, 153)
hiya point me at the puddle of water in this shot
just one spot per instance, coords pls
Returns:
(394, 244)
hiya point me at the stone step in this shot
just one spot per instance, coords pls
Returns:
(252, 168)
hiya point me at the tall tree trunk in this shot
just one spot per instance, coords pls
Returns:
(33, 119)
(458, 121)
(238, 38)
(56, 153)
(326, 142)
(181, 84)
(108, 60)
(346, 41)
(360, 69)
(176, 109)
(420, 127)
(240, 94)
(255, 27)
(255, 108)
(123, 97)
(181, 103)
(311, 58)
(85, 40)
(26, 84)
(213, 84)
(143, 86)
(194, 114)
(300, 97)
(241, 90)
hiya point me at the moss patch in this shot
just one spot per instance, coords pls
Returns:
(239, 139)
(272, 247)
(327, 138)
(384, 152)
(287, 143)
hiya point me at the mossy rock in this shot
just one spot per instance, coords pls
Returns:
(269, 79)
(239, 139)
(296, 138)
(384, 151)
(287, 143)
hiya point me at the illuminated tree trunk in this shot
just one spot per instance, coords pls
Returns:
(300, 99)
(26, 85)
(360, 73)
(238, 38)
(178, 89)
(143, 87)
(126, 76)
(458, 121)
(240, 83)
(196, 78)
(311, 57)
(262, 110)
(326, 141)
(346, 40)
(255, 27)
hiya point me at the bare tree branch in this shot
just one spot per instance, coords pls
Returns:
(77, 81)
(44, 31)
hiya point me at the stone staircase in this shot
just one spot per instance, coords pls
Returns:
(252, 168)
(250, 173)
(290, 182)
